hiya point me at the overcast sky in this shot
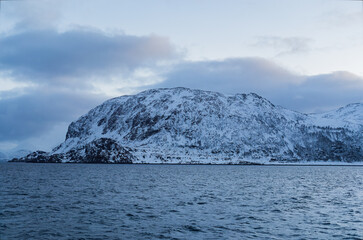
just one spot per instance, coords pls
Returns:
(59, 59)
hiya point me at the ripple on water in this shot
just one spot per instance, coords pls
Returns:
(180, 202)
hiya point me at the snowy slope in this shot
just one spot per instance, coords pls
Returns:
(181, 125)
(350, 116)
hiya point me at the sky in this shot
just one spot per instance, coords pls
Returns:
(59, 59)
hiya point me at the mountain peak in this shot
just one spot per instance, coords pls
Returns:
(351, 114)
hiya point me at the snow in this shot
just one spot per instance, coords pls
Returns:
(181, 125)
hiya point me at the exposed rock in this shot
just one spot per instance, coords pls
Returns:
(35, 157)
(102, 150)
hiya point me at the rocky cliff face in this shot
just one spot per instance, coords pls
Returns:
(181, 125)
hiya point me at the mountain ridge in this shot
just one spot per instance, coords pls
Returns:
(181, 125)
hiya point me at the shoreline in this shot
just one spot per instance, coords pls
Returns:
(360, 164)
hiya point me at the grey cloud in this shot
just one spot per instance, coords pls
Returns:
(230, 75)
(62, 66)
(48, 55)
(301, 93)
(324, 92)
(38, 111)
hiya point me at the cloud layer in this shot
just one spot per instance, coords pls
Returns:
(282, 87)
(61, 70)
(48, 55)
(36, 112)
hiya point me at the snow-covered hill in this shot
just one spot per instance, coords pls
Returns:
(350, 116)
(181, 125)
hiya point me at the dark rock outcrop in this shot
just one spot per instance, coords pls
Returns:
(102, 150)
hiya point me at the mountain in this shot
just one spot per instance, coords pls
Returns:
(181, 125)
(348, 116)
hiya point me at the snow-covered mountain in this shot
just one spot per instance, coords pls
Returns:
(350, 116)
(181, 125)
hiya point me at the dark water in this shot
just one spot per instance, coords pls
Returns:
(62, 201)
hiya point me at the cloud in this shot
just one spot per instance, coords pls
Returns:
(49, 78)
(324, 92)
(75, 55)
(282, 87)
(284, 45)
(39, 110)
(230, 75)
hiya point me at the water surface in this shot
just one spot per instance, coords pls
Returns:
(75, 201)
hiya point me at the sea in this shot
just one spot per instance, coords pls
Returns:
(95, 201)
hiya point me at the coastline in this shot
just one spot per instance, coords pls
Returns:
(358, 164)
